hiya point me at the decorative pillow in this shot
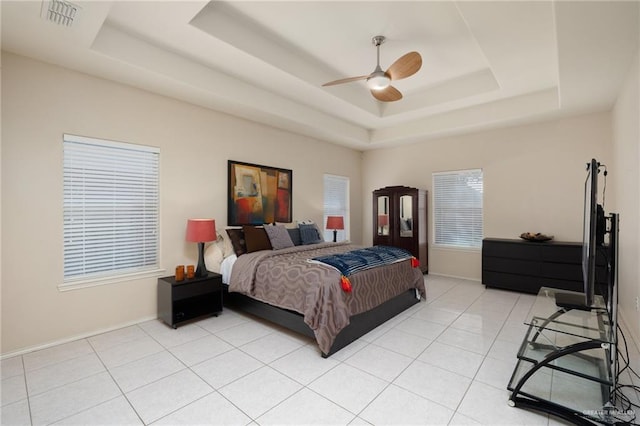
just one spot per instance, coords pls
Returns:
(294, 234)
(278, 236)
(310, 234)
(256, 239)
(226, 246)
(213, 257)
(238, 242)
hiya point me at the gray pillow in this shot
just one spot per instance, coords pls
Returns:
(278, 236)
(310, 234)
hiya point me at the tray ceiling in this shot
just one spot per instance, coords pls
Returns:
(485, 64)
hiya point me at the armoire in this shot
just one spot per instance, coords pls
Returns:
(400, 220)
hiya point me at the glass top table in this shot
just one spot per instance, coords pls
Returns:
(565, 360)
(592, 323)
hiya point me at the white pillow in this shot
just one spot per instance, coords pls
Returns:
(225, 245)
(213, 257)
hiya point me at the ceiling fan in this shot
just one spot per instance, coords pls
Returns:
(379, 82)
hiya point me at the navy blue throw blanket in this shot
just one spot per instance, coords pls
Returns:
(358, 260)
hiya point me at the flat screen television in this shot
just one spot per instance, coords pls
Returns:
(590, 230)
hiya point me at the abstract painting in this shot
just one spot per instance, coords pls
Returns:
(258, 194)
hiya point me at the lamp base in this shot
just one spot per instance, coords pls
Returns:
(335, 235)
(201, 270)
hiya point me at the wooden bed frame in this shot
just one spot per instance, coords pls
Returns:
(359, 325)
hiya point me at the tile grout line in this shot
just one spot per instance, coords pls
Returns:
(392, 382)
(483, 361)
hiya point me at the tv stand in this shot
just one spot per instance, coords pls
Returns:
(564, 364)
(568, 360)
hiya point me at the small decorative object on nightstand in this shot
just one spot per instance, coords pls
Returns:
(335, 223)
(179, 273)
(189, 299)
(190, 272)
(201, 231)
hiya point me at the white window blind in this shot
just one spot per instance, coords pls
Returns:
(111, 209)
(457, 208)
(336, 203)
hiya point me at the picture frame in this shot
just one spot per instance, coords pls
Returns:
(258, 194)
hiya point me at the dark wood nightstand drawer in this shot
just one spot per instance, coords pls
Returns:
(191, 289)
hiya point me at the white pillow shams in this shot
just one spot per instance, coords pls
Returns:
(213, 257)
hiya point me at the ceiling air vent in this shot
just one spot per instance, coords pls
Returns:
(60, 12)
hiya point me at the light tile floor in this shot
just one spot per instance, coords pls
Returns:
(446, 361)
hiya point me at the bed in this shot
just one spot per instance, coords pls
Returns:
(289, 288)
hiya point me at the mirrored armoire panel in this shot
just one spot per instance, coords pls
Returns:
(400, 220)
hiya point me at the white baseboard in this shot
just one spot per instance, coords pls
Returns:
(621, 317)
(629, 332)
(73, 338)
(455, 276)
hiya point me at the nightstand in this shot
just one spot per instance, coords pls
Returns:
(185, 300)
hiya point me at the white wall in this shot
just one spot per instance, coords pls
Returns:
(625, 174)
(533, 180)
(40, 102)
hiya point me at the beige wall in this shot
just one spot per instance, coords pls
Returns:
(533, 179)
(626, 178)
(533, 182)
(40, 102)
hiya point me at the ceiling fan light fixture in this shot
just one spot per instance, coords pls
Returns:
(378, 82)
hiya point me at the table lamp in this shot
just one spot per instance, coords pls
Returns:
(335, 223)
(201, 231)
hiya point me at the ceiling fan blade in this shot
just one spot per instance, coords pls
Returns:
(389, 94)
(405, 66)
(345, 80)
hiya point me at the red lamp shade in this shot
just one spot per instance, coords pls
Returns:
(383, 220)
(201, 230)
(335, 222)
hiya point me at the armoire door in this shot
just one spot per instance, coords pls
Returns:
(382, 202)
(406, 212)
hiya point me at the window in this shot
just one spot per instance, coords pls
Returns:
(111, 207)
(457, 208)
(336, 203)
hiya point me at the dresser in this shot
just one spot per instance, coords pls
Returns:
(527, 266)
(400, 220)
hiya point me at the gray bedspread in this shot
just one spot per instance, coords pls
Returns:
(286, 279)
